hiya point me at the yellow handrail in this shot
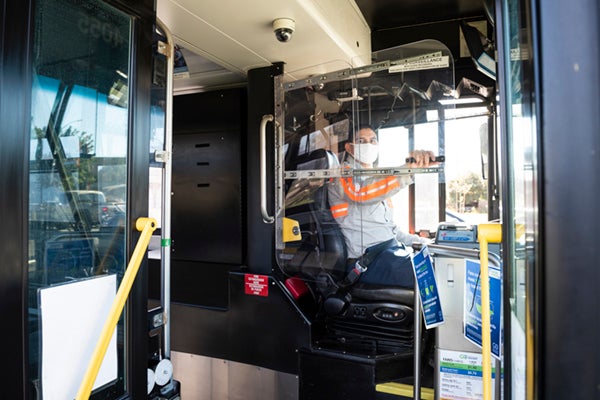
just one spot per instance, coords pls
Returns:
(146, 226)
(486, 233)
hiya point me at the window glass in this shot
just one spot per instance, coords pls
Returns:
(77, 178)
(466, 190)
(521, 210)
(426, 137)
(157, 144)
(394, 141)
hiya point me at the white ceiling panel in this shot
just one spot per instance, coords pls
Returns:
(237, 35)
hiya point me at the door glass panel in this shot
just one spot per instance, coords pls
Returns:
(77, 166)
(521, 212)
(158, 123)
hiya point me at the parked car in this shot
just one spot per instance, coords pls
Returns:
(113, 212)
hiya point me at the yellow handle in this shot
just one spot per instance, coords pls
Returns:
(146, 226)
(486, 233)
(291, 230)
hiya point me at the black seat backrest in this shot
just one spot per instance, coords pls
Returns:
(322, 248)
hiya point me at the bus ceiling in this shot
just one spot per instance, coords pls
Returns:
(218, 47)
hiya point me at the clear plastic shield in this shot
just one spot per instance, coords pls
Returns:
(343, 148)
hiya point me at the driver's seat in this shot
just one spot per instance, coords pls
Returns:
(363, 317)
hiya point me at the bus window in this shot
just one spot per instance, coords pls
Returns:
(465, 184)
(80, 125)
(311, 142)
(466, 190)
(427, 194)
(392, 143)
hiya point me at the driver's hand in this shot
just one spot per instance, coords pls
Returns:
(421, 159)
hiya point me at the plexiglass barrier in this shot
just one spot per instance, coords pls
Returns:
(342, 177)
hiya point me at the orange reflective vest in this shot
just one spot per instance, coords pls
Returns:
(362, 208)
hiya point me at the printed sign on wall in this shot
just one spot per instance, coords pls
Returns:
(427, 287)
(257, 285)
(472, 306)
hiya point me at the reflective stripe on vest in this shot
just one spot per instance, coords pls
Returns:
(369, 192)
(339, 210)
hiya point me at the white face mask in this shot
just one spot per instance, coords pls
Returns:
(366, 153)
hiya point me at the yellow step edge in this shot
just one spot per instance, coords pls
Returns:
(403, 389)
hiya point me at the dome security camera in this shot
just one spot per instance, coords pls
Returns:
(284, 29)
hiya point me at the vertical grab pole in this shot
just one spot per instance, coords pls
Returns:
(486, 340)
(146, 226)
(165, 238)
(486, 233)
(417, 346)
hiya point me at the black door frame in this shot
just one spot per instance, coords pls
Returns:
(568, 76)
(563, 296)
(16, 32)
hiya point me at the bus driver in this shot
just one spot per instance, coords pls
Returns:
(362, 207)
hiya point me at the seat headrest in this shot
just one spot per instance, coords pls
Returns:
(318, 159)
(306, 190)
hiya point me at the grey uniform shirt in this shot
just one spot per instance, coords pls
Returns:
(360, 206)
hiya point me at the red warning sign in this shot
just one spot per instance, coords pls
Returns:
(257, 285)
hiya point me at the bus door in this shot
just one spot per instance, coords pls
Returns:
(87, 147)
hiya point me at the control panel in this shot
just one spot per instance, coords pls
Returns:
(452, 234)
(387, 312)
(463, 235)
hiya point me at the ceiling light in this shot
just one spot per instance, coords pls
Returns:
(462, 100)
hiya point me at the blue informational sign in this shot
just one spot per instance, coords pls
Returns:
(427, 287)
(472, 305)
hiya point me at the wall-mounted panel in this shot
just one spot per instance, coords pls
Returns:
(207, 197)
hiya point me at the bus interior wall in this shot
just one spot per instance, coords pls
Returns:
(207, 214)
(217, 240)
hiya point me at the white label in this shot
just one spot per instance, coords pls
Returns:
(421, 64)
(460, 376)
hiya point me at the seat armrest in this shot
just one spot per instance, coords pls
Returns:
(392, 294)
